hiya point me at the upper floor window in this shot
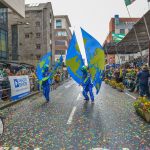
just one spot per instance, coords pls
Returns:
(60, 42)
(60, 52)
(61, 33)
(38, 46)
(37, 24)
(58, 24)
(122, 31)
(26, 35)
(38, 35)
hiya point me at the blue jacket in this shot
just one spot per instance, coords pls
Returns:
(46, 82)
(143, 77)
(86, 80)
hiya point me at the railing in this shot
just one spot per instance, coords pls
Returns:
(5, 89)
(5, 93)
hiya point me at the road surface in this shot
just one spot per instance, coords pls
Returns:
(68, 123)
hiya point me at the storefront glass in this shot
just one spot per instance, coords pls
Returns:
(3, 33)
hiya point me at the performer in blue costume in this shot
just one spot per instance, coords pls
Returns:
(46, 83)
(87, 84)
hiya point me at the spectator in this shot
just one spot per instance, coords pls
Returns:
(142, 77)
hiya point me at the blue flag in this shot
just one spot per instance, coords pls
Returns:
(45, 60)
(58, 63)
(95, 58)
(74, 61)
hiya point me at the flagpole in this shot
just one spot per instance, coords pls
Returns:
(135, 35)
(147, 28)
(117, 53)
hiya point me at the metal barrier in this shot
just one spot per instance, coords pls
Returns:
(5, 93)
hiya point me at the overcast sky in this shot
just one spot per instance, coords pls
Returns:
(94, 15)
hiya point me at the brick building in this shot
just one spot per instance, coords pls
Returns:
(62, 35)
(32, 37)
(120, 27)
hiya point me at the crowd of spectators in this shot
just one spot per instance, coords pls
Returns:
(18, 70)
(8, 70)
(134, 75)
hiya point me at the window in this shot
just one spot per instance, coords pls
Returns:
(3, 44)
(38, 57)
(3, 15)
(37, 24)
(122, 31)
(26, 35)
(14, 29)
(38, 46)
(60, 52)
(38, 35)
(61, 33)
(122, 58)
(60, 42)
(58, 24)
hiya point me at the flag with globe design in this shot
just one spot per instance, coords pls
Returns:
(46, 60)
(74, 61)
(95, 58)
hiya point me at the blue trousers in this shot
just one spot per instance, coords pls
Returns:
(144, 90)
(85, 93)
(46, 92)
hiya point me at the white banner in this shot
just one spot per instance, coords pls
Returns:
(20, 87)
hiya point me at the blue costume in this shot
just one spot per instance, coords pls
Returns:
(46, 83)
(87, 84)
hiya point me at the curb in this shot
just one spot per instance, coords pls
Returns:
(15, 102)
(11, 103)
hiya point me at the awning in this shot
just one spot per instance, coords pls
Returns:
(129, 43)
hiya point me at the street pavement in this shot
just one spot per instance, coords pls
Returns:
(68, 123)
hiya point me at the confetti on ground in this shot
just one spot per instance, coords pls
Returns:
(110, 123)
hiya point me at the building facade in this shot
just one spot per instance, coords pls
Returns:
(62, 35)
(32, 37)
(118, 28)
(18, 6)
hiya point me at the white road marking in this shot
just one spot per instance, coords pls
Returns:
(1, 127)
(15, 148)
(130, 95)
(71, 115)
(78, 96)
(99, 149)
(106, 149)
